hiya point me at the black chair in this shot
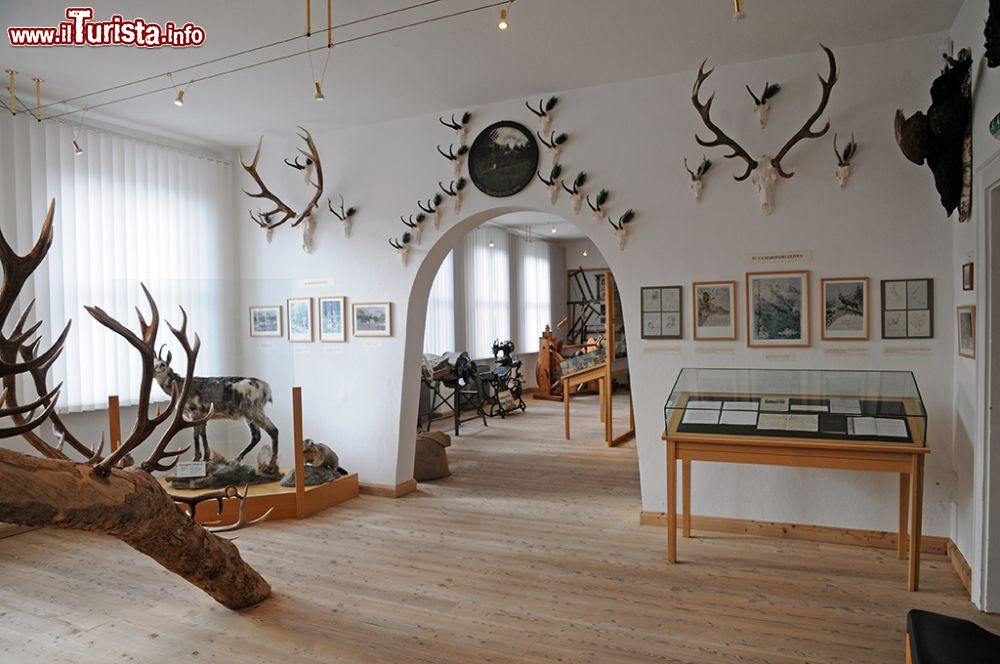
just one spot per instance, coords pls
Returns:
(933, 638)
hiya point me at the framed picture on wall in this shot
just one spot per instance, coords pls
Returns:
(967, 331)
(967, 277)
(300, 321)
(661, 312)
(907, 309)
(372, 319)
(331, 319)
(846, 307)
(265, 321)
(714, 304)
(777, 309)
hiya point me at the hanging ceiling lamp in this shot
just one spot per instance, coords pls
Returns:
(77, 150)
(738, 14)
(504, 21)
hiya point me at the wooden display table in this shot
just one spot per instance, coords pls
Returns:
(813, 451)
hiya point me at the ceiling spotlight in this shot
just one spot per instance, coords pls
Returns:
(502, 24)
(179, 99)
(492, 244)
(586, 252)
(77, 150)
(553, 229)
(319, 92)
(738, 14)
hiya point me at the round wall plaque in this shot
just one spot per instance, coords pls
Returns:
(503, 159)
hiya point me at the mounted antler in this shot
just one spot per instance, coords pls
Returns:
(762, 104)
(241, 520)
(455, 190)
(597, 206)
(576, 195)
(433, 208)
(416, 225)
(764, 171)
(402, 248)
(553, 182)
(697, 183)
(621, 226)
(554, 144)
(460, 127)
(544, 112)
(266, 219)
(345, 216)
(843, 170)
(457, 159)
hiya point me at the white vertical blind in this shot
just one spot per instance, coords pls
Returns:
(439, 330)
(534, 292)
(127, 211)
(487, 289)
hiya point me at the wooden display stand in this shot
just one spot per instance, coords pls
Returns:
(295, 502)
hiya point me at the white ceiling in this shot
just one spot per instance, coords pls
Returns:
(452, 64)
(541, 224)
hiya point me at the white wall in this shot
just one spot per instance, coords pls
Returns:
(630, 137)
(970, 375)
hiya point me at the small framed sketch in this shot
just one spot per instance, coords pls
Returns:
(331, 319)
(777, 309)
(300, 319)
(714, 305)
(265, 321)
(907, 309)
(967, 331)
(372, 319)
(661, 312)
(845, 309)
(967, 276)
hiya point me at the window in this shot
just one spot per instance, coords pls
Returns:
(439, 330)
(487, 290)
(535, 291)
(127, 211)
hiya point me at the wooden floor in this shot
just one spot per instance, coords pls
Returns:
(530, 552)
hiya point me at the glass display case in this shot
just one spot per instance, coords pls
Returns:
(858, 406)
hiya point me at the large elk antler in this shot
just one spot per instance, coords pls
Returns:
(264, 218)
(145, 425)
(721, 138)
(806, 131)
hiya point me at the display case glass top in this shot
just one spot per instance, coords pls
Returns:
(878, 407)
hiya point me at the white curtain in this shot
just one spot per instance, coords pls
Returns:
(487, 289)
(439, 330)
(127, 211)
(534, 292)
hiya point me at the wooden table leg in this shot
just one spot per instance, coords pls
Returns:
(565, 385)
(904, 514)
(602, 395)
(916, 516)
(686, 497)
(671, 502)
(609, 431)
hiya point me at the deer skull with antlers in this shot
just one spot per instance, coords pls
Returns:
(554, 143)
(843, 170)
(415, 224)
(346, 216)
(697, 181)
(457, 159)
(456, 189)
(621, 227)
(461, 127)
(552, 182)
(575, 193)
(402, 247)
(763, 172)
(544, 112)
(597, 205)
(433, 208)
(762, 104)
(281, 212)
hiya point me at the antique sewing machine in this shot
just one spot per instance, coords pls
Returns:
(504, 381)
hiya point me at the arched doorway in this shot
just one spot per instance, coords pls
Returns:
(416, 319)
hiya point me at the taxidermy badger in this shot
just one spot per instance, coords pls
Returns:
(320, 456)
(942, 137)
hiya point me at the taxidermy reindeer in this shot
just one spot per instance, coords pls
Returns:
(575, 193)
(455, 190)
(843, 171)
(346, 216)
(554, 144)
(227, 398)
(763, 172)
(621, 227)
(762, 104)
(544, 112)
(433, 208)
(597, 206)
(461, 127)
(415, 224)
(402, 248)
(281, 212)
(697, 177)
(942, 137)
(457, 159)
(92, 492)
(552, 183)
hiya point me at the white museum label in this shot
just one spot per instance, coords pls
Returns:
(907, 351)
(191, 469)
(803, 256)
(715, 350)
(313, 283)
(847, 351)
(780, 357)
(662, 349)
